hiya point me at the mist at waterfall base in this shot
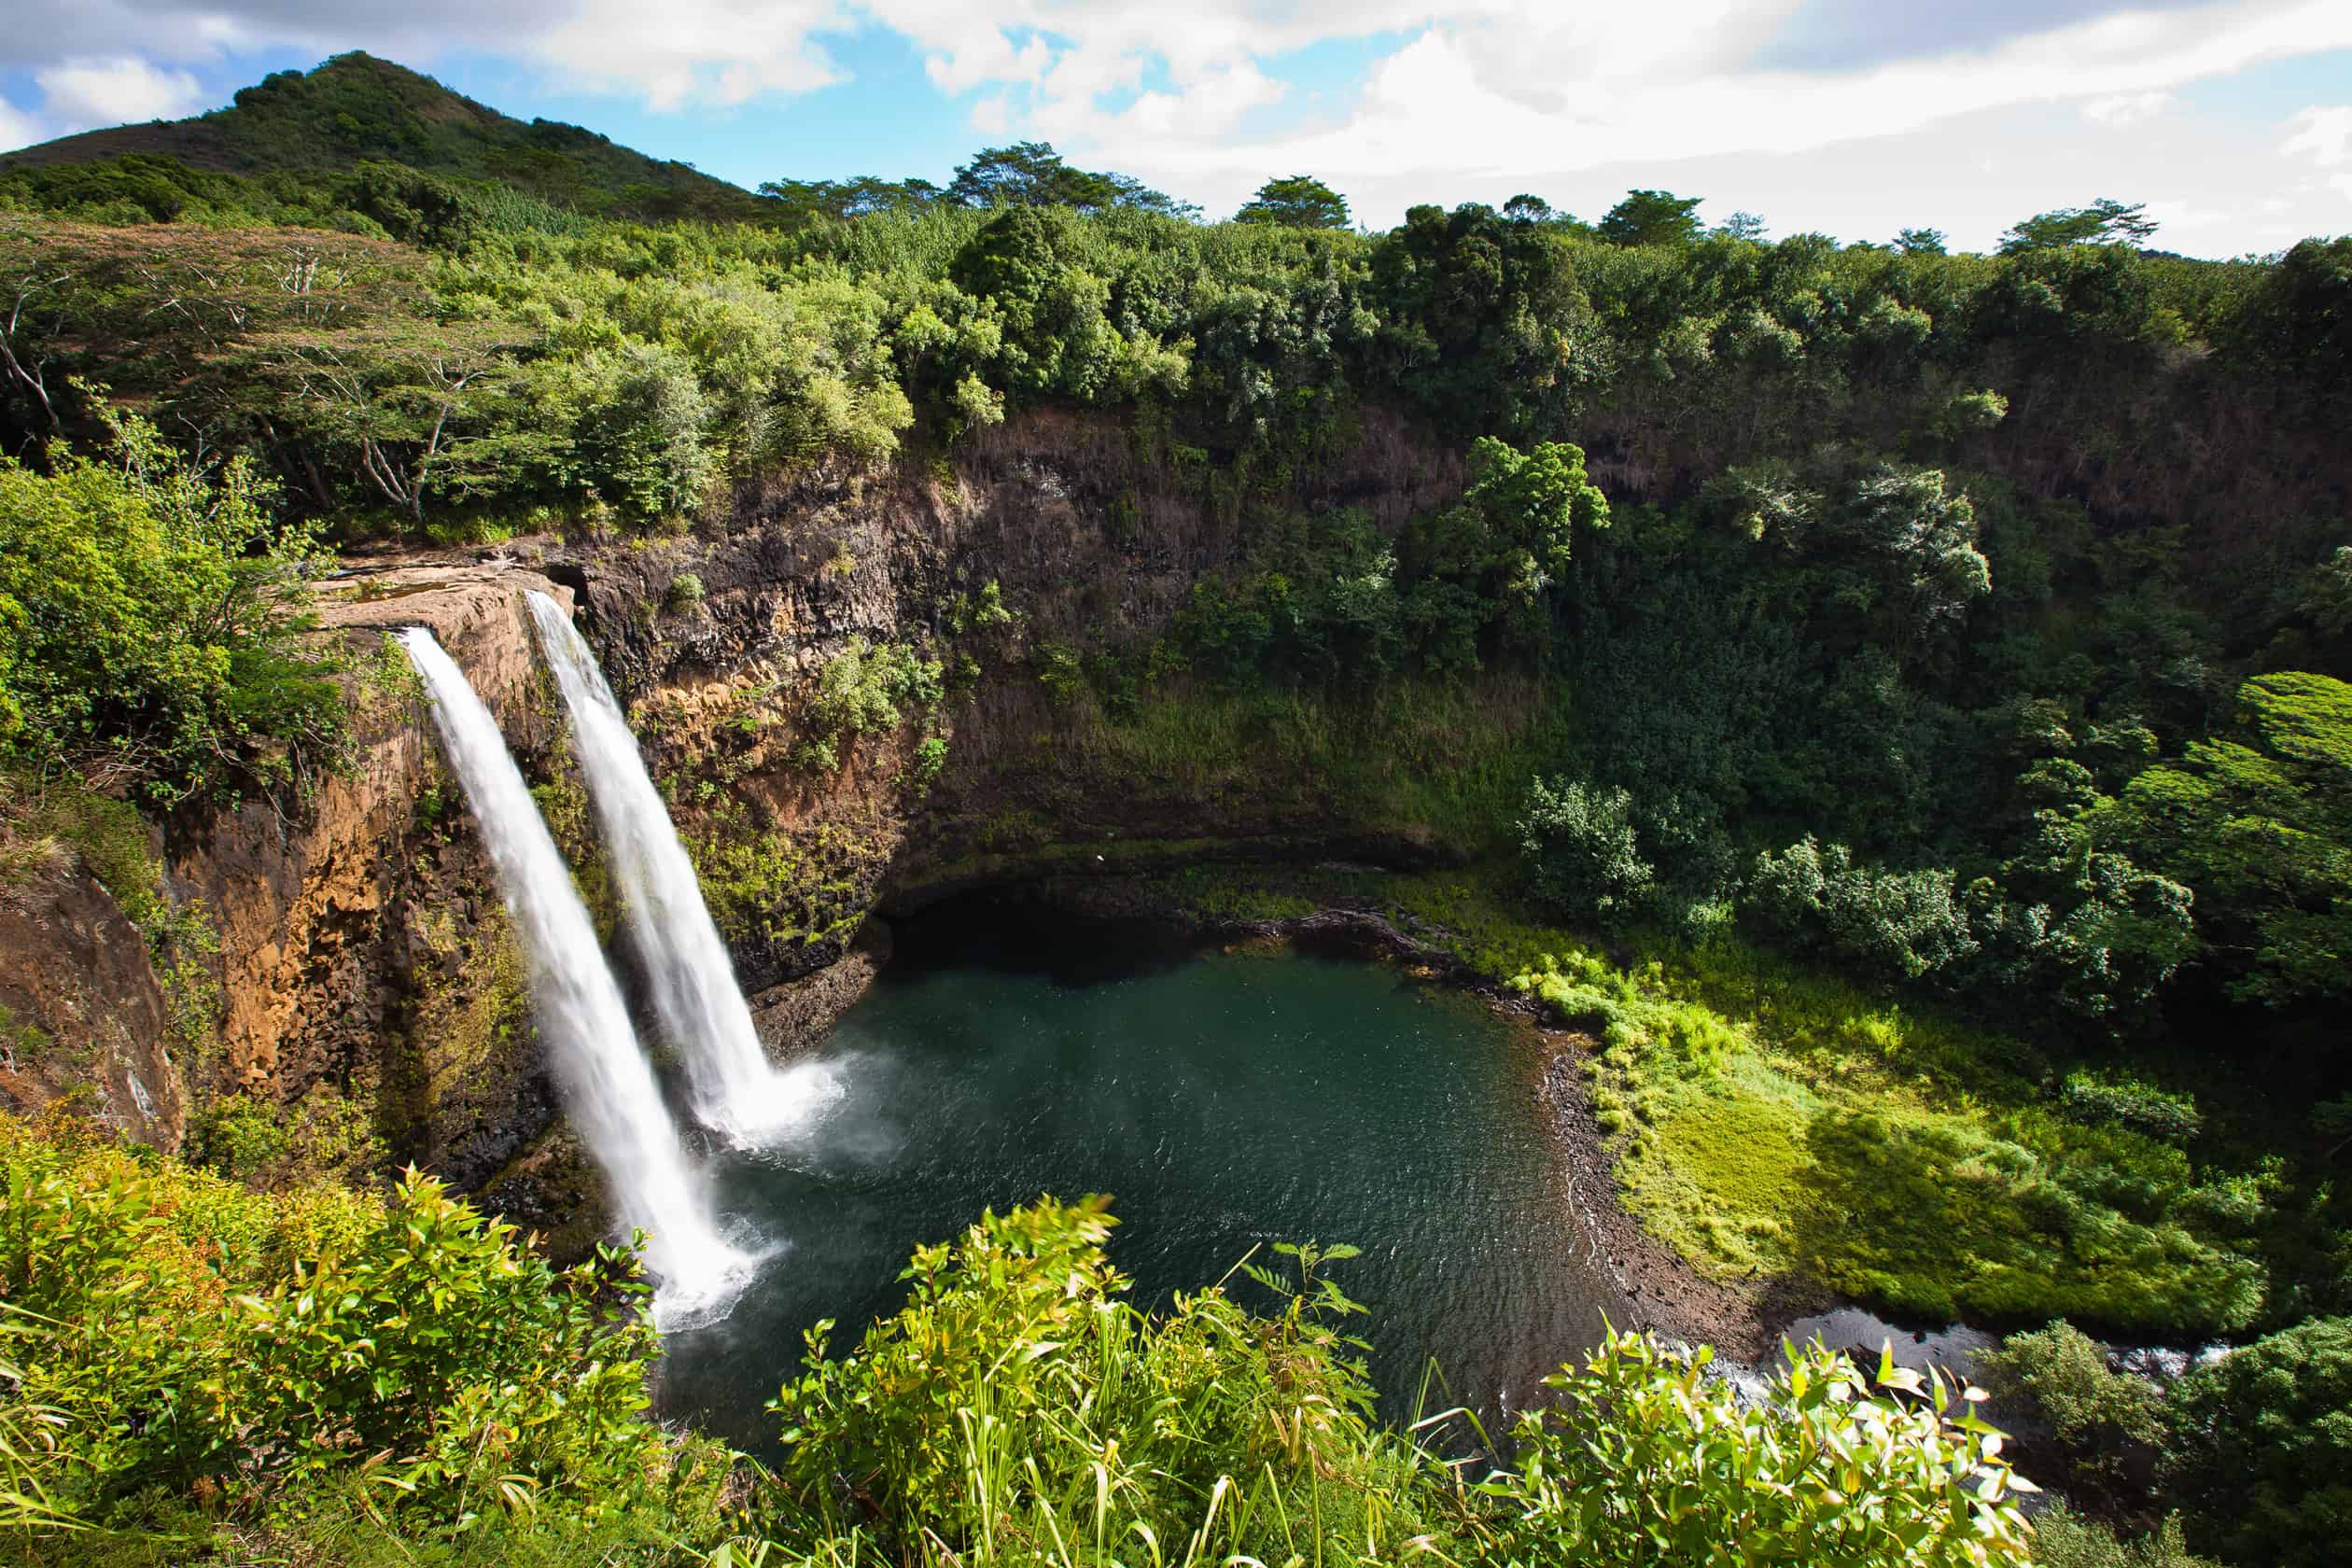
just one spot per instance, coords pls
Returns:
(1224, 1100)
(609, 1092)
(737, 1092)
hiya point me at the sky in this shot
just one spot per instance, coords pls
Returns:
(2232, 119)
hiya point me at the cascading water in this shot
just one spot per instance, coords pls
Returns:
(738, 1092)
(609, 1091)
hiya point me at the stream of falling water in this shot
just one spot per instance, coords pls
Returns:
(609, 1092)
(737, 1091)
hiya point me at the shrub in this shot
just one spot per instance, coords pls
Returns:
(862, 689)
(930, 762)
(2065, 1373)
(2089, 1097)
(685, 592)
(1893, 923)
(188, 1333)
(2257, 1449)
(148, 613)
(1018, 1407)
(1648, 1460)
(1582, 855)
(2097, 1417)
(2065, 1539)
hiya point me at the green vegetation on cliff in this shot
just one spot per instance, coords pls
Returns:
(148, 613)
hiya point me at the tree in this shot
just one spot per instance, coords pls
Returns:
(1582, 854)
(1034, 175)
(1920, 242)
(1499, 554)
(1299, 202)
(854, 197)
(2258, 822)
(1917, 562)
(1741, 226)
(2070, 920)
(1483, 319)
(1524, 208)
(1903, 923)
(2103, 222)
(2257, 1449)
(1652, 218)
(33, 298)
(403, 408)
(149, 619)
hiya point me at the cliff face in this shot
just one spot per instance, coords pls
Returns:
(86, 1019)
(364, 964)
(719, 644)
(364, 950)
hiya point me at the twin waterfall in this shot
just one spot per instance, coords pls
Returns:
(609, 1089)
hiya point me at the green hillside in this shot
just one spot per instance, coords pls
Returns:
(356, 108)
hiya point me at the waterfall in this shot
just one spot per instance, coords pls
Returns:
(738, 1092)
(609, 1091)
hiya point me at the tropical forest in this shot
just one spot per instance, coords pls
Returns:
(983, 871)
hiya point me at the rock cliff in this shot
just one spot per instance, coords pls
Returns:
(355, 966)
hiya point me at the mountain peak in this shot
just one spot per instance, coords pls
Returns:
(357, 107)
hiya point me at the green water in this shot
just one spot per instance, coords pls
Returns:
(1224, 1100)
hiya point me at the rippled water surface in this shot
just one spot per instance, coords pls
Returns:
(1225, 1100)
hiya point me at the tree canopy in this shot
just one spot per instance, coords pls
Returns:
(2105, 221)
(854, 197)
(1034, 175)
(1300, 201)
(1652, 218)
(2257, 820)
(149, 619)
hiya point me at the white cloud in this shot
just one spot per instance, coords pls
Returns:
(17, 128)
(2323, 131)
(2128, 108)
(82, 93)
(116, 91)
(720, 51)
(1433, 104)
(2174, 216)
(1523, 90)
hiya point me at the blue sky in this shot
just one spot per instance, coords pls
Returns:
(2232, 119)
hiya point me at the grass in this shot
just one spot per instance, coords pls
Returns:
(1722, 1166)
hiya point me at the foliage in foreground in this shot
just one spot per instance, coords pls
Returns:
(178, 1335)
(1648, 1461)
(1018, 1406)
(195, 1372)
(1017, 1409)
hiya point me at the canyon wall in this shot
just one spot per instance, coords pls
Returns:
(356, 969)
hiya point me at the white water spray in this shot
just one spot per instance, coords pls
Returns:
(608, 1089)
(738, 1092)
